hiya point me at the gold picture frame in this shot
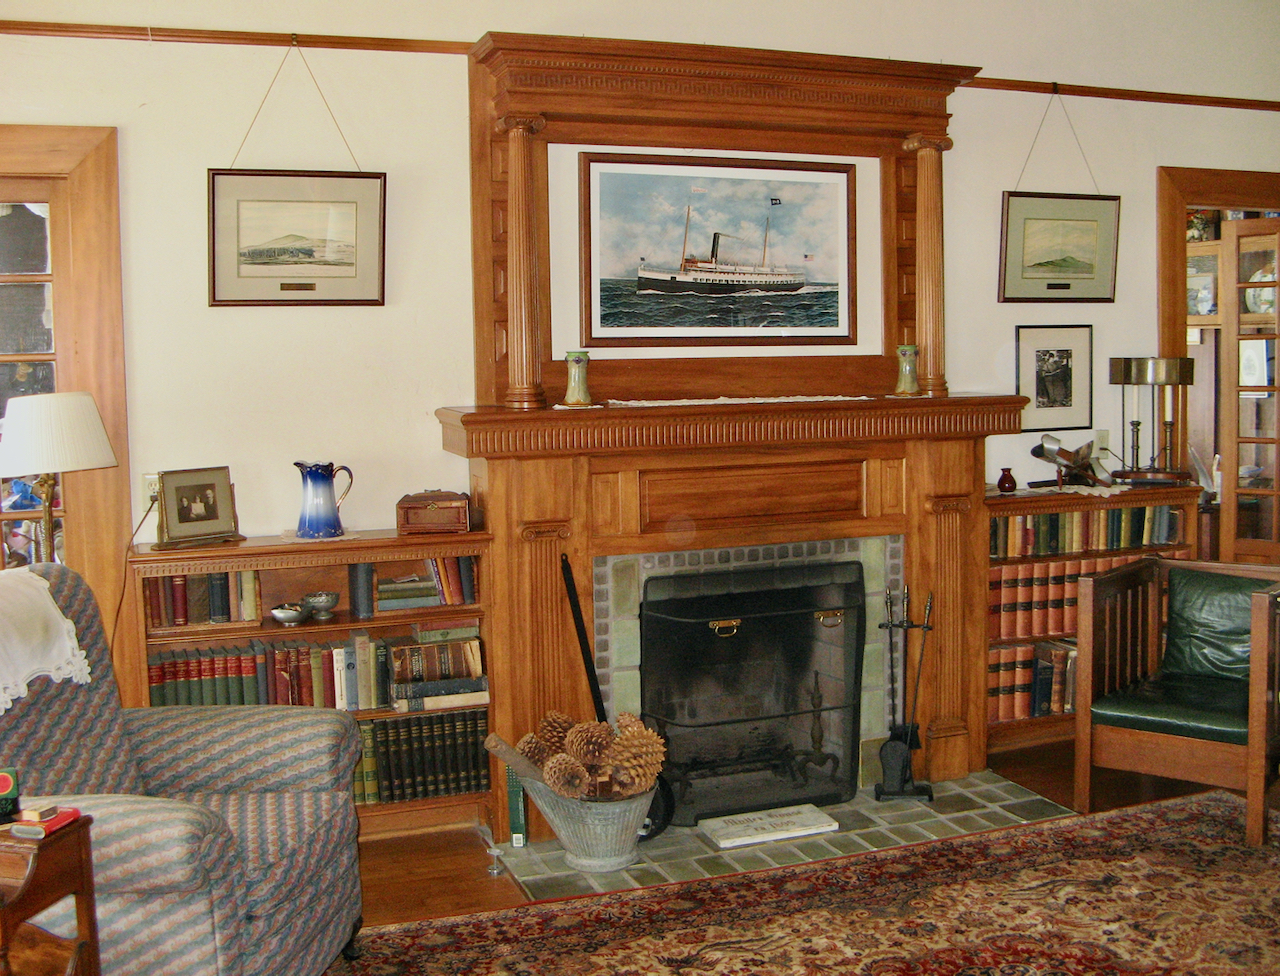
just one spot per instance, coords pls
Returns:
(197, 507)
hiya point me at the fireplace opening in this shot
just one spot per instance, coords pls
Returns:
(754, 679)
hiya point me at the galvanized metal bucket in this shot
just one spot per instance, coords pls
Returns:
(597, 835)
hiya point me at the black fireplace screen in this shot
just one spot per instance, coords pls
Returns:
(754, 679)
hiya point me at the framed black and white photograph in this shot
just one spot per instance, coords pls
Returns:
(715, 251)
(1055, 372)
(197, 506)
(1058, 247)
(292, 237)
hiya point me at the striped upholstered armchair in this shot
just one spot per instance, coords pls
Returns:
(224, 839)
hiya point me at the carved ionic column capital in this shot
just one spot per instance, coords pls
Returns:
(920, 141)
(532, 124)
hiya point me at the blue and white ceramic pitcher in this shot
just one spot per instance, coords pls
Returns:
(319, 518)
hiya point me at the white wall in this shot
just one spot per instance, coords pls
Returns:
(258, 388)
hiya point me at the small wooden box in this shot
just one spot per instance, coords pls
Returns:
(433, 511)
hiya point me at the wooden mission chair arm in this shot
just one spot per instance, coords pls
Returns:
(1118, 637)
(1264, 673)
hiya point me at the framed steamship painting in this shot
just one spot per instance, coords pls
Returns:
(1058, 247)
(680, 250)
(292, 237)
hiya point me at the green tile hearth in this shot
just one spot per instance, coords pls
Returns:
(978, 802)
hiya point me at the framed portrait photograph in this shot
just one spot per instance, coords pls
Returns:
(682, 250)
(1058, 247)
(197, 506)
(291, 237)
(1055, 372)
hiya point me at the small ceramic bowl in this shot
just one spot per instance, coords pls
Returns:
(291, 614)
(321, 603)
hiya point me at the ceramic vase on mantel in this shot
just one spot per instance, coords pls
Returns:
(576, 393)
(908, 384)
(1006, 482)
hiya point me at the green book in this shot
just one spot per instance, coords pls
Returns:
(248, 675)
(231, 667)
(217, 663)
(316, 653)
(515, 808)
(368, 761)
(169, 675)
(182, 672)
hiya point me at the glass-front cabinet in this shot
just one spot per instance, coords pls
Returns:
(1248, 436)
(27, 350)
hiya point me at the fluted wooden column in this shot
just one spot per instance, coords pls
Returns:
(930, 325)
(524, 360)
(947, 728)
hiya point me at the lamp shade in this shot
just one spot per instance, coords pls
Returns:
(51, 433)
(1153, 371)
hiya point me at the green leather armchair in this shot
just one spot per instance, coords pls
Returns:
(1177, 676)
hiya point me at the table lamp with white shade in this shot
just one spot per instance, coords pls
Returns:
(49, 433)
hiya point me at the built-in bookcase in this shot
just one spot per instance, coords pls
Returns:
(207, 637)
(1041, 542)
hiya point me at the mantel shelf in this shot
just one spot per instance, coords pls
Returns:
(501, 432)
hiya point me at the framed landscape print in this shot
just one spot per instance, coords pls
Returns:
(292, 237)
(1058, 247)
(1055, 372)
(681, 250)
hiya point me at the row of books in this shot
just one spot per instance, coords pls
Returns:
(1040, 598)
(202, 598)
(1030, 680)
(418, 756)
(195, 599)
(431, 670)
(445, 581)
(1102, 529)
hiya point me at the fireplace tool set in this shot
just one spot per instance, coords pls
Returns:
(895, 755)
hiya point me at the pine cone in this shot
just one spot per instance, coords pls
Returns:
(588, 742)
(566, 776)
(533, 749)
(628, 721)
(635, 759)
(552, 729)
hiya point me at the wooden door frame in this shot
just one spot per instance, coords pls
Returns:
(80, 162)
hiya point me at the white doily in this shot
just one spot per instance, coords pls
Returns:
(35, 638)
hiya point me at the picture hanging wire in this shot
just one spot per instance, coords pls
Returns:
(289, 50)
(1055, 94)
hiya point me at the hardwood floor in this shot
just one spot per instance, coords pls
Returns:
(445, 873)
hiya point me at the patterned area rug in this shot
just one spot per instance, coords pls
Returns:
(1168, 888)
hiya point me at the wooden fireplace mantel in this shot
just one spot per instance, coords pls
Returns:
(614, 480)
(636, 479)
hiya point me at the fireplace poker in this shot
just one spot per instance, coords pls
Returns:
(895, 754)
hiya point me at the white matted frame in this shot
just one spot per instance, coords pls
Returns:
(1058, 247)
(197, 506)
(1055, 372)
(686, 250)
(296, 237)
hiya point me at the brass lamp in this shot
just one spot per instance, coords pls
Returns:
(1159, 373)
(46, 434)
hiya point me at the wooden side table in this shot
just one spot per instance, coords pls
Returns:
(35, 874)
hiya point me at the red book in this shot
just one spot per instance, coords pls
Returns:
(326, 676)
(179, 601)
(1024, 671)
(1026, 599)
(1007, 665)
(993, 684)
(1057, 596)
(1008, 601)
(994, 601)
(37, 829)
(1071, 596)
(1039, 599)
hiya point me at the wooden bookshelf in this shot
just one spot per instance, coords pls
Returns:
(1019, 733)
(282, 571)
